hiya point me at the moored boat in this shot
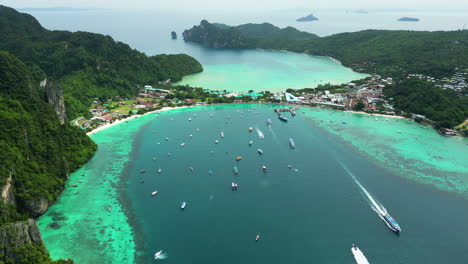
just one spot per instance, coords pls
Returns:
(222, 134)
(282, 118)
(238, 158)
(250, 129)
(216, 141)
(250, 142)
(183, 205)
(236, 171)
(260, 151)
(154, 193)
(182, 144)
(264, 168)
(234, 186)
(257, 238)
(269, 123)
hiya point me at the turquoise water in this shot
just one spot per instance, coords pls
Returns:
(260, 70)
(311, 213)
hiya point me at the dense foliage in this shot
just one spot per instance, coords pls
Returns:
(37, 153)
(243, 36)
(387, 52)
(91, 65)
(445, 107)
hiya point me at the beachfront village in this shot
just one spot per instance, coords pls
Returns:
(364, 95)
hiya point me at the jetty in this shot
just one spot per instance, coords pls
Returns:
(291, 110)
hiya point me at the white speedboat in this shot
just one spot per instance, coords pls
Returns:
(157, 255)
(183, 144)
(154, 193)
(216, 141)
(222, 134)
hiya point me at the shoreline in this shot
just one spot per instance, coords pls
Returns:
(382, 115)
(108, 125)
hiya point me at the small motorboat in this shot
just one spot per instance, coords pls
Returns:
(158, 254)
(198, 129)
(234, 186)
(264, 168)
(293, 113)
(183, 205)
(166, 139)
(239, 158)
(222, 134)
(168, 154)
(236, 171)
(190, 135)
(142, 171)
(182, 144)
(154, 193)
(257, 238)
(250, 142)
(250, 129)
(216, 141)
(190, 119)
(142, 181)
(269, 123)
(210, 173)
(260, 151)
(191, 168)
(289, 166)
(154, 158)
(282, 118)
(159, 170)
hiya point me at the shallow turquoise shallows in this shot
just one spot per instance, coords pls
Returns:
(310, 213)
(261, 70)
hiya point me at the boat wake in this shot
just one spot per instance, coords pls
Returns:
(260, 133)
(374, 204)
(162, 256)
(359, 256)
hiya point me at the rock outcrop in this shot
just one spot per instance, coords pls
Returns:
(309, 17)
(16, 235)
(7, 192)
(37, 207)
(54, 95)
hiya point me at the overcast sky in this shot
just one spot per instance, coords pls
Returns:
(221, 4)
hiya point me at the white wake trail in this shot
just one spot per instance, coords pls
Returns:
(359, 256)
(377, 207)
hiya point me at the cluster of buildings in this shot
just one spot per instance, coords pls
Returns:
(368, 94)
(458, 82)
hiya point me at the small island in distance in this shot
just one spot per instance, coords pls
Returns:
(409, 19)
(173, 35)
(309, 17)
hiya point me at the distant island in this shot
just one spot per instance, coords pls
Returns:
(309, 17)
(409, 19)
(361, 11)
(173, 35)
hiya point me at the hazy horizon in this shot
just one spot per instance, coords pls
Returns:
(242, 4)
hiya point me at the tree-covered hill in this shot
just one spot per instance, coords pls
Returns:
(37, 153)
(242, 36)
(445, 107)
(87, 65)
(387, 52)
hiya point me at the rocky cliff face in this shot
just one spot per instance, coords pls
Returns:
(7, 192)
(16, 235)
(54, 95)
(37, 207)
(209, 35)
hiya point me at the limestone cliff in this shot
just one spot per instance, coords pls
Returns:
(54, 95)
(13, 236)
